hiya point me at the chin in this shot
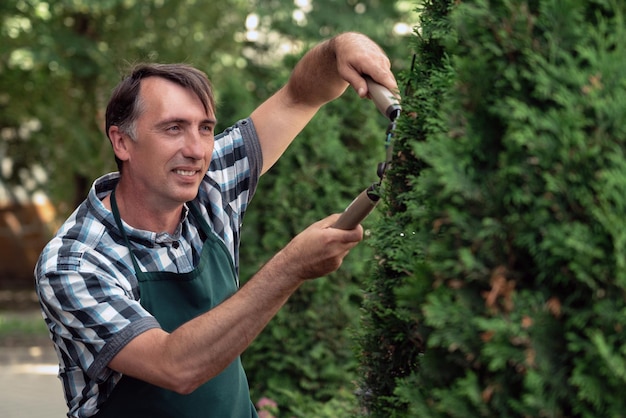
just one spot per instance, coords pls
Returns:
(186, 197)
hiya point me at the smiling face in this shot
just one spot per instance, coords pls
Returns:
(172, 149)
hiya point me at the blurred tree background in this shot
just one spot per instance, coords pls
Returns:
(59, 61)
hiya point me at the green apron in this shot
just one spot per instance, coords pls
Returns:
(173, 299)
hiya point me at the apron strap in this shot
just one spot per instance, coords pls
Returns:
(118, 221)
(195, 211)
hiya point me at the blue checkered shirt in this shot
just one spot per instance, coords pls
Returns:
(85, 277)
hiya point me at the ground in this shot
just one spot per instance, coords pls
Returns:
(29, 386)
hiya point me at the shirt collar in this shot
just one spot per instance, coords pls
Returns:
(101, 188)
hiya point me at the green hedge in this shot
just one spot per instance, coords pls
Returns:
(502, 286)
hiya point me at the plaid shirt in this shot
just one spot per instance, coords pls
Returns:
(85, 276)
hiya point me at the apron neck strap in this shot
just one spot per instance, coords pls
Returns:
(118, 221)
(195, 211)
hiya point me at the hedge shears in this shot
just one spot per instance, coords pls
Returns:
(387, 103)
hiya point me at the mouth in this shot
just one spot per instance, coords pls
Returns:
(186, 173)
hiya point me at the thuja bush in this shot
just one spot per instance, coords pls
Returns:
(392, 339)
(502, 277)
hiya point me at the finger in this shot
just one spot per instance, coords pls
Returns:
(343, 236)
(380, 76)
(350, 236)
(356, 80)
(329, 221)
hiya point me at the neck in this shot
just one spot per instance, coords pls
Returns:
(141, 214)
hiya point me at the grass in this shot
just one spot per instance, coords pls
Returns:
(21, 324)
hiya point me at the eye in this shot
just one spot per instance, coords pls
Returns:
(206, 129)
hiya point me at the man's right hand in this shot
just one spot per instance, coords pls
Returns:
(319, 249)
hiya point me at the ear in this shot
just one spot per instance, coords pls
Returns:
(120, 142)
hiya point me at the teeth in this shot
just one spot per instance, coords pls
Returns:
(185, 172)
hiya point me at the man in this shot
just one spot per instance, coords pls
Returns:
(139, 287)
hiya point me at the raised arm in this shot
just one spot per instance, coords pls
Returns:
(322, 75)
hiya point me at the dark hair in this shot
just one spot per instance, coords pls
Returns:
(125, 104)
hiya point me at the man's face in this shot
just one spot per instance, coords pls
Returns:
(172, 151)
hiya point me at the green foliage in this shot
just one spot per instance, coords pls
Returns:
(324, 18)
(512, 184)
(342, 405)
(392, 341)
(64, 57)
(17, 324)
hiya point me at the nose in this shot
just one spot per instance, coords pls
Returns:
(196, 146)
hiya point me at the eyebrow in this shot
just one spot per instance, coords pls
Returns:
(210, 121)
